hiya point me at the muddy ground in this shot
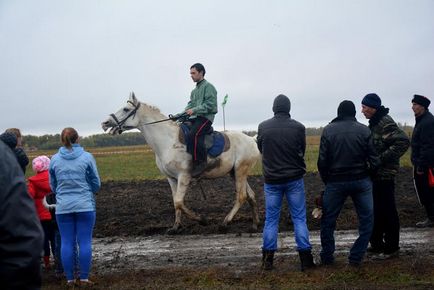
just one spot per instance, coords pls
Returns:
(131, 250)
(146, 207)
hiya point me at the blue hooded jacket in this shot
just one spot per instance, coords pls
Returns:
(74, 179)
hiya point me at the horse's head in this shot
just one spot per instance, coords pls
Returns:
(124, 119)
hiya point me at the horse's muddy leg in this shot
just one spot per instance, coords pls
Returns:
(241, 195)
(254, 206)
(178, 200)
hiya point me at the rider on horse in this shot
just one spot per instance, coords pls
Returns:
(201, 109)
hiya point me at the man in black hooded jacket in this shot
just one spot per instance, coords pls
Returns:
(282, 142)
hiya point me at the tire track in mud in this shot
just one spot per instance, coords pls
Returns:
(241, 251)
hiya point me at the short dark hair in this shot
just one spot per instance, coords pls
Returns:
(199, 67)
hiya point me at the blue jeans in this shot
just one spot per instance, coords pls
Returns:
(334, 198)
(76, 228)
(294, 193)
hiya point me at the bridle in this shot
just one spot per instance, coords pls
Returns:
(183, 117)
(132, 113)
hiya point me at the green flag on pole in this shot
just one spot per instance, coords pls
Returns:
(225, 100)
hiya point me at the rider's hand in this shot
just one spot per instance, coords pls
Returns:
(189, 112)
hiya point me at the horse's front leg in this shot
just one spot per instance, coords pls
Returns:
(177, 227)
(178, 200)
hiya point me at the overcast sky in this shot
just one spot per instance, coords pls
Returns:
(71, 63)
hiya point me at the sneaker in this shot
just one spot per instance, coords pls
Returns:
(425, 224)
(86, 283)
(383, 256)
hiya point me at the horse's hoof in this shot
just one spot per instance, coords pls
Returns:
(223, 229)
(203, 221)
(253, 229)
(174, 231)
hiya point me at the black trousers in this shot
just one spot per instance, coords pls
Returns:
(425, 193)
(200, 126)
(49, 227)
(385, 234)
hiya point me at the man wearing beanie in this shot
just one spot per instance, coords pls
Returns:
(422, 156)
(346, 155)
(282, 142)
(391, 143)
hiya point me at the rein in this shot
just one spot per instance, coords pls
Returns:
(182, 118)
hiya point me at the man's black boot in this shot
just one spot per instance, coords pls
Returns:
(198, 168)
(306, 260)
(267, 260)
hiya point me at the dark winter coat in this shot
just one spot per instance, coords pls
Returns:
(390, 141)
(21, 234)
(282, 142)
(422, 142)
(346, 151)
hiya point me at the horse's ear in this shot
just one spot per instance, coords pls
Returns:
(133, 98)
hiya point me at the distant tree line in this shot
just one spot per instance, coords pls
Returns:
(99, 140)
(318, 131)
(45, 142)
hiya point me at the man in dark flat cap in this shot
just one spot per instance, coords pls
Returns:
(422, 156)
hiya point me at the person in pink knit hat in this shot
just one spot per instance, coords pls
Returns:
(39, 187)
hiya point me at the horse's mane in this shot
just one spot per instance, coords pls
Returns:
(152, 108)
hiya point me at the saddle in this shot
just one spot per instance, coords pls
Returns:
(215, 142)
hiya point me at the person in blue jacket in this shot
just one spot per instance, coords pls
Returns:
(74, 179)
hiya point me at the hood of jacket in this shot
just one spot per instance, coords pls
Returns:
(73, 153)
(281, 104)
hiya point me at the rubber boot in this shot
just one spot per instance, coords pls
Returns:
(267, 260)
(306, 260)
(47, 262)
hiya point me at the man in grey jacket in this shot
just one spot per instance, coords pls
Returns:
(20, 230)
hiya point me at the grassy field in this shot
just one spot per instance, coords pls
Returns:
(138, 162)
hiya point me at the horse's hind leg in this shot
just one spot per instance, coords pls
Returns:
(241, 196)
(254, 206)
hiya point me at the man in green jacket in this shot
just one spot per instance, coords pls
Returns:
(391, 143)
(201, 109)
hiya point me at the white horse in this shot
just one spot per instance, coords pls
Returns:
(175, 162)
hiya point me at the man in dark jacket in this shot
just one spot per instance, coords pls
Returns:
(391, 143)
(20, 230)
(422, 156)
(282, 142)
(346, 156)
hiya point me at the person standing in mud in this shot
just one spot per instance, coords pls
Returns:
(282, 142)
(74, 179)
(201, 110)
(346, 155)
(391, 143)
(21, 235)
(422, 156)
